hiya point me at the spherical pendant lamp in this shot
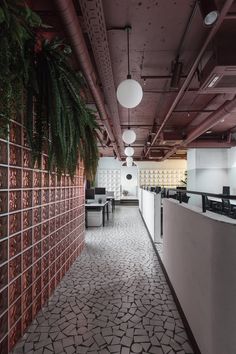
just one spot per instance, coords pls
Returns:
(129, 160)
(129, 136)
(129, 92)
(129, 151)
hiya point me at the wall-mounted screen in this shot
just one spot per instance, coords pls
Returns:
(99, 190)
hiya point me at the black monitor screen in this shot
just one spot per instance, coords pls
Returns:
(99, 190)
(90, 194)
(226, 190)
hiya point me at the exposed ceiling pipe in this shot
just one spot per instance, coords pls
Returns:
(210, 145)
(213, 31)
(213, 119)
(210, 121)
(70, 20)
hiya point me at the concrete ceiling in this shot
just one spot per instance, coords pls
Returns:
(157, 36)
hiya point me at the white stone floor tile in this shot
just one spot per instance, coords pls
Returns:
(114, 299)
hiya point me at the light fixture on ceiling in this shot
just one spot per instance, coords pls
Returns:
(129, 135)
(129, 161)
(208, 131)
(209, 11)
(129, 92)
(129, 151)
(213, 81)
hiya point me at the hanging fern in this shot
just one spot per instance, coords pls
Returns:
(57, 119)
(16, 24)
(54, 98)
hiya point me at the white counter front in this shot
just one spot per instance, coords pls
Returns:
(150, 208)
(199, 255)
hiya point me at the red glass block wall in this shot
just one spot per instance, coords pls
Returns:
(41, 233)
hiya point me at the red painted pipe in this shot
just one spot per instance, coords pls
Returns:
(208, 123)
(73, 29)
(210, 145)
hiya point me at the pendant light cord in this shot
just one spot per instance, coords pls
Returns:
(128, 28)
(128, 118)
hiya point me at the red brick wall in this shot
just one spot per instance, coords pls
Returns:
(41, 233)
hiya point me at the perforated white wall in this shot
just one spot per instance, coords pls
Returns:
(110, 179)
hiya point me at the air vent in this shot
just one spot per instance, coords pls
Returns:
(226, 81)
(219, 74)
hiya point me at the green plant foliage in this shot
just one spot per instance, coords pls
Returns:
(58, 121)
(59, 111)
(185, 179)
(16, 24)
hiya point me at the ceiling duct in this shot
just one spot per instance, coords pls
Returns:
(219, 74)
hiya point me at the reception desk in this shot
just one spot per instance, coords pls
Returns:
(199, 255)
(150, 209)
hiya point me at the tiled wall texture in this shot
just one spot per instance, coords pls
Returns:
(41, 233)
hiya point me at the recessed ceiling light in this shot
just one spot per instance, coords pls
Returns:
(222, 120)
(211, 18)
(208, 131)
(209, 11)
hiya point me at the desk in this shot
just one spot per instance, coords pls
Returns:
(101, 206)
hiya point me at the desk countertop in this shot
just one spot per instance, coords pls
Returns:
(95, 204)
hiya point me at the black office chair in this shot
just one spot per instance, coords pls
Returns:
(185, 198)
(209, 204)
(228, 209)
(213, 205)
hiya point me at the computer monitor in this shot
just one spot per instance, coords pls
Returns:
(181, 188)
(158, 190)
(100, 190)
(90, 193)
(226, 190)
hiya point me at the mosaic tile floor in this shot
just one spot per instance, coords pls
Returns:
(113, 300)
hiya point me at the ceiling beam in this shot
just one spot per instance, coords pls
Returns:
(230, 16)
(167, 91)
(159, 77)
(197, 144)
(193, 110)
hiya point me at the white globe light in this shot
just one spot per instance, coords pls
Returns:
(129, 151)
(129, 136)
(129, 159)
(129, 93)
